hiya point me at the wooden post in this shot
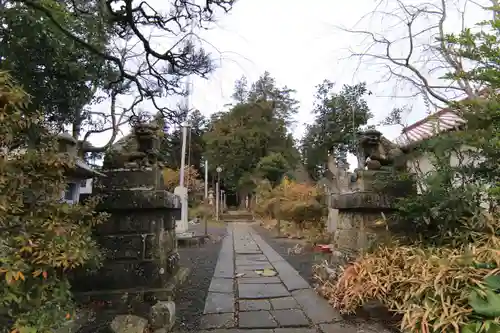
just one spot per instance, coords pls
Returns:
(278, 216)
(206, 225)
(207, 207)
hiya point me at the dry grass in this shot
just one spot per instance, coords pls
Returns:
(429, 287)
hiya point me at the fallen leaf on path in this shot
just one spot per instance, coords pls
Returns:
(297, 249)
(266, 272)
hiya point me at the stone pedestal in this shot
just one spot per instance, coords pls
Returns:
(141, 266)
(358, 222)
(363, 216)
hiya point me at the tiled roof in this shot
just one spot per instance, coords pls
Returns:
(444, 120)
(441, 121)
(87, 169)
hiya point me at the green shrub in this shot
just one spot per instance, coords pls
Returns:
(447, 278)
(42, 238)
(203, 211)
(465, 176)
(264, 202)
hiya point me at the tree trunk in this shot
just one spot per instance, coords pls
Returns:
(241, 196)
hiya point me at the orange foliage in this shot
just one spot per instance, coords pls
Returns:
(294, 202)
(171, 179)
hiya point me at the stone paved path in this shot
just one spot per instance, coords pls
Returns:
(240, 300)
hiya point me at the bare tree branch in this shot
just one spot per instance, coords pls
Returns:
(95, 122)
(116, 122)
(415, 49)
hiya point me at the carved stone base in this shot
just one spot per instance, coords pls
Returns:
(114, 300)
(100, 308)
(358, 230)
(362, 200)
(383, 182)
(360, 218)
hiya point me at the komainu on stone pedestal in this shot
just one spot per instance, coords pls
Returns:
(363, 211)
(141, 268)
(378, 153)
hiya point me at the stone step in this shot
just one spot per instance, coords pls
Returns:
(195, 241)
(239, 217)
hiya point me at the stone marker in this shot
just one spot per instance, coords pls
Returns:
(128, 324)
(162, 315)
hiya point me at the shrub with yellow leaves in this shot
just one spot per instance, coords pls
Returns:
(43, 239)
(435, 289)
(295, 202)
(264, 201)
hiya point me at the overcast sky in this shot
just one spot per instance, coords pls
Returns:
(300, 44)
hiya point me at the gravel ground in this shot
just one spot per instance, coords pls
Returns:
(190, 299)
(302, 262)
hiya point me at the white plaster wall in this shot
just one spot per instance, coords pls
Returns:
(76, 193)
(424, 160)
(420, 165)
(87, 189)
(423, 164)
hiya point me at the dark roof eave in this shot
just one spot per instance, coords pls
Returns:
(82, 170)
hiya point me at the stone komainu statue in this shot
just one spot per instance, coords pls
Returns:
(378, 153)
(138, 149)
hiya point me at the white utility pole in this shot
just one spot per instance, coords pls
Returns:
(182, 172)
(217, 201)
(206, 179)
(182, 225)
(217, 193)
(184, 126)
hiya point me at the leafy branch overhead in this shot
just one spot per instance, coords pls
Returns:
(338, 117)
(422, 55)
(79, 54)
(124, 20)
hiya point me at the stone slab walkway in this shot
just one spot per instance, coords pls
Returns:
(240, 300)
